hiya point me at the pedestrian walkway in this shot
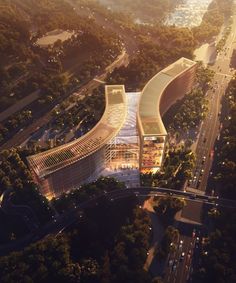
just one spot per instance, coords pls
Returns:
(195, 191)
(151, 263)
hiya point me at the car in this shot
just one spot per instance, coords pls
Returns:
(182, 256)
(174, 267)
(203, 159)
(171, 261)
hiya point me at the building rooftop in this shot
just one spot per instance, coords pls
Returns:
(149, 117)
(109, 125)
(129, 132)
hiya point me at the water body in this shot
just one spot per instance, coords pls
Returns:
(189, 13)
(52, 36)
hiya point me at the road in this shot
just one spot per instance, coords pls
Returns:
(180, 259)
(22, 136)
(59, 223)
(209, 132)
(204, 151)
(24, 211)
(130, 46)
(210, 129)
(19, 105)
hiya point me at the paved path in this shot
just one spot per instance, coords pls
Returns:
(158, 232)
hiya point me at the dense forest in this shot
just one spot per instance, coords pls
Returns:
(96, 249)
(16, 178)
(26, 67)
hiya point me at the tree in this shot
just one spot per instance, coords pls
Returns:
(167, 207)
(106, 271)
(89, 270)
(157, 280)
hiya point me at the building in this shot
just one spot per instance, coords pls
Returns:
(130, 134)
(158, 95)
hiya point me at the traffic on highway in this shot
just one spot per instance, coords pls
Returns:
(209, 132)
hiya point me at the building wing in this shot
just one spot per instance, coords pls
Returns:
(149, 112)
(49, 161)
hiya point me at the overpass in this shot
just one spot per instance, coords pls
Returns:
(59, 223)
(160, 192)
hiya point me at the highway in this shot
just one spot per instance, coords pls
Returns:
(209, 132)
(210, 129)
(179, 261)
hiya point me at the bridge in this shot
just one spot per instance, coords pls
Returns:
(160, 192)
(60, 222)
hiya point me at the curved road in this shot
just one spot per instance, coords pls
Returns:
(24, 211)
(58, 224)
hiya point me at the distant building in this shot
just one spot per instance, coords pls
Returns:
(130, 134)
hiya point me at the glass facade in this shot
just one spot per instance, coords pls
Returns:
(152, 153)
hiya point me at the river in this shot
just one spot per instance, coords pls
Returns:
(189, 13)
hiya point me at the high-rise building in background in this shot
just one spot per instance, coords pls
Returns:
(130, 135)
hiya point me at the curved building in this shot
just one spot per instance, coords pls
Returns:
(65, 167)
(130, 134)
(157, 96)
